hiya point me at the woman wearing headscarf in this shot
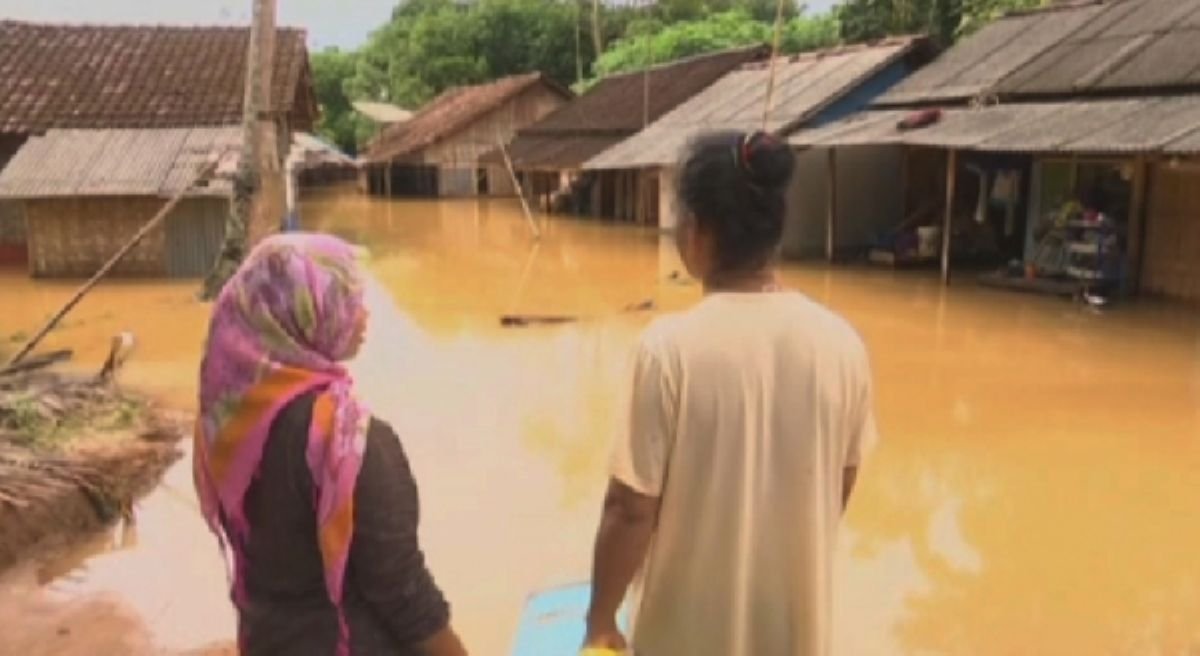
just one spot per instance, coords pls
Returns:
(313, 497)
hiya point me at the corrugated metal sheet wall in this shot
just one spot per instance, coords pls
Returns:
(194, 235)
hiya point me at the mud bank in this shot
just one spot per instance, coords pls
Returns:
(74, 455)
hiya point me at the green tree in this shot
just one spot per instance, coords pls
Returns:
(652, 42)
(944, 20)
(339, 122)
(977, 13)
(431, 45)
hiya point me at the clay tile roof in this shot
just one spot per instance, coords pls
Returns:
(451, 112)
(74, 76)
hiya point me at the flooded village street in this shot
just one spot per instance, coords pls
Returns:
(1034, 491)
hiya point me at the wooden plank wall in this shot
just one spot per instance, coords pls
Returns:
(464, 149)
(1170, 264)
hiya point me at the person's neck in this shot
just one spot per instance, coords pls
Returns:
(757, 281)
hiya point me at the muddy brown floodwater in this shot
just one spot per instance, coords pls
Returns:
(1035, 491)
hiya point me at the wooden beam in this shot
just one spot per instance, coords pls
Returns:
(512, 175)
(387, 180)
(623, 214)
(948, 220)
(831, 214)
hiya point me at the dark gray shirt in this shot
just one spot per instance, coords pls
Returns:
(391, 602)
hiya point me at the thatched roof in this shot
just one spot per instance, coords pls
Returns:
(75, 76)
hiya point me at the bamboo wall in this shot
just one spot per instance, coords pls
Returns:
(1171, 264)
(73, 237)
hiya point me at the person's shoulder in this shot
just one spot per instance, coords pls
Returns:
(833, 326)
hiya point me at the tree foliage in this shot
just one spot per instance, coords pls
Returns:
(649, 42)
(429, 46)
(944, 20)
(339, 123)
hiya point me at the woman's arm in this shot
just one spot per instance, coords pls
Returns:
(386, 563)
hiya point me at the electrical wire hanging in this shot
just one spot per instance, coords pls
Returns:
(769, 102)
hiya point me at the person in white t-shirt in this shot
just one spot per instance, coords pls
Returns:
(747, 421)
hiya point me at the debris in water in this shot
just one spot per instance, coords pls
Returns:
(522, 320)
(119, 352)
(73, 457)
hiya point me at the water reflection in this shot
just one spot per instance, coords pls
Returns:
(1034, 491)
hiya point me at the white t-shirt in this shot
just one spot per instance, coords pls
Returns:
(744, 413)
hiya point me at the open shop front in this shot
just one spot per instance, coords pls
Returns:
(967, 209)
(1084, 214)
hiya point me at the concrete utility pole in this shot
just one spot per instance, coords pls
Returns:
(258, 147)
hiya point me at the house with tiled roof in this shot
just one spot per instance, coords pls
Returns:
(438, 151)
(99, 123)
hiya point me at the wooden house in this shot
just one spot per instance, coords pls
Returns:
(811, 89)
(438, 152)
(1061, 142)
(552, 153)
(99, 123)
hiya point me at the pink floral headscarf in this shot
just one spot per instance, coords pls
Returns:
(281, 328)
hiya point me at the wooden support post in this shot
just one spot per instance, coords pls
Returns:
(624, 214)
(597, 193)
(948, 221)
(387, 181)
(831, 214)
(1138, 213)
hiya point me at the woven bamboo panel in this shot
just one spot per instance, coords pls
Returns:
(74, 237)
(1171, 267)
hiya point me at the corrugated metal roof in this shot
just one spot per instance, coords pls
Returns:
(452, 112)
(311, 151)
(1129, 44)
(974, 65)
(616, 108)
(152, 162)
(806, 84)
(555, 151)
(1151, 125)
(380, 112)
